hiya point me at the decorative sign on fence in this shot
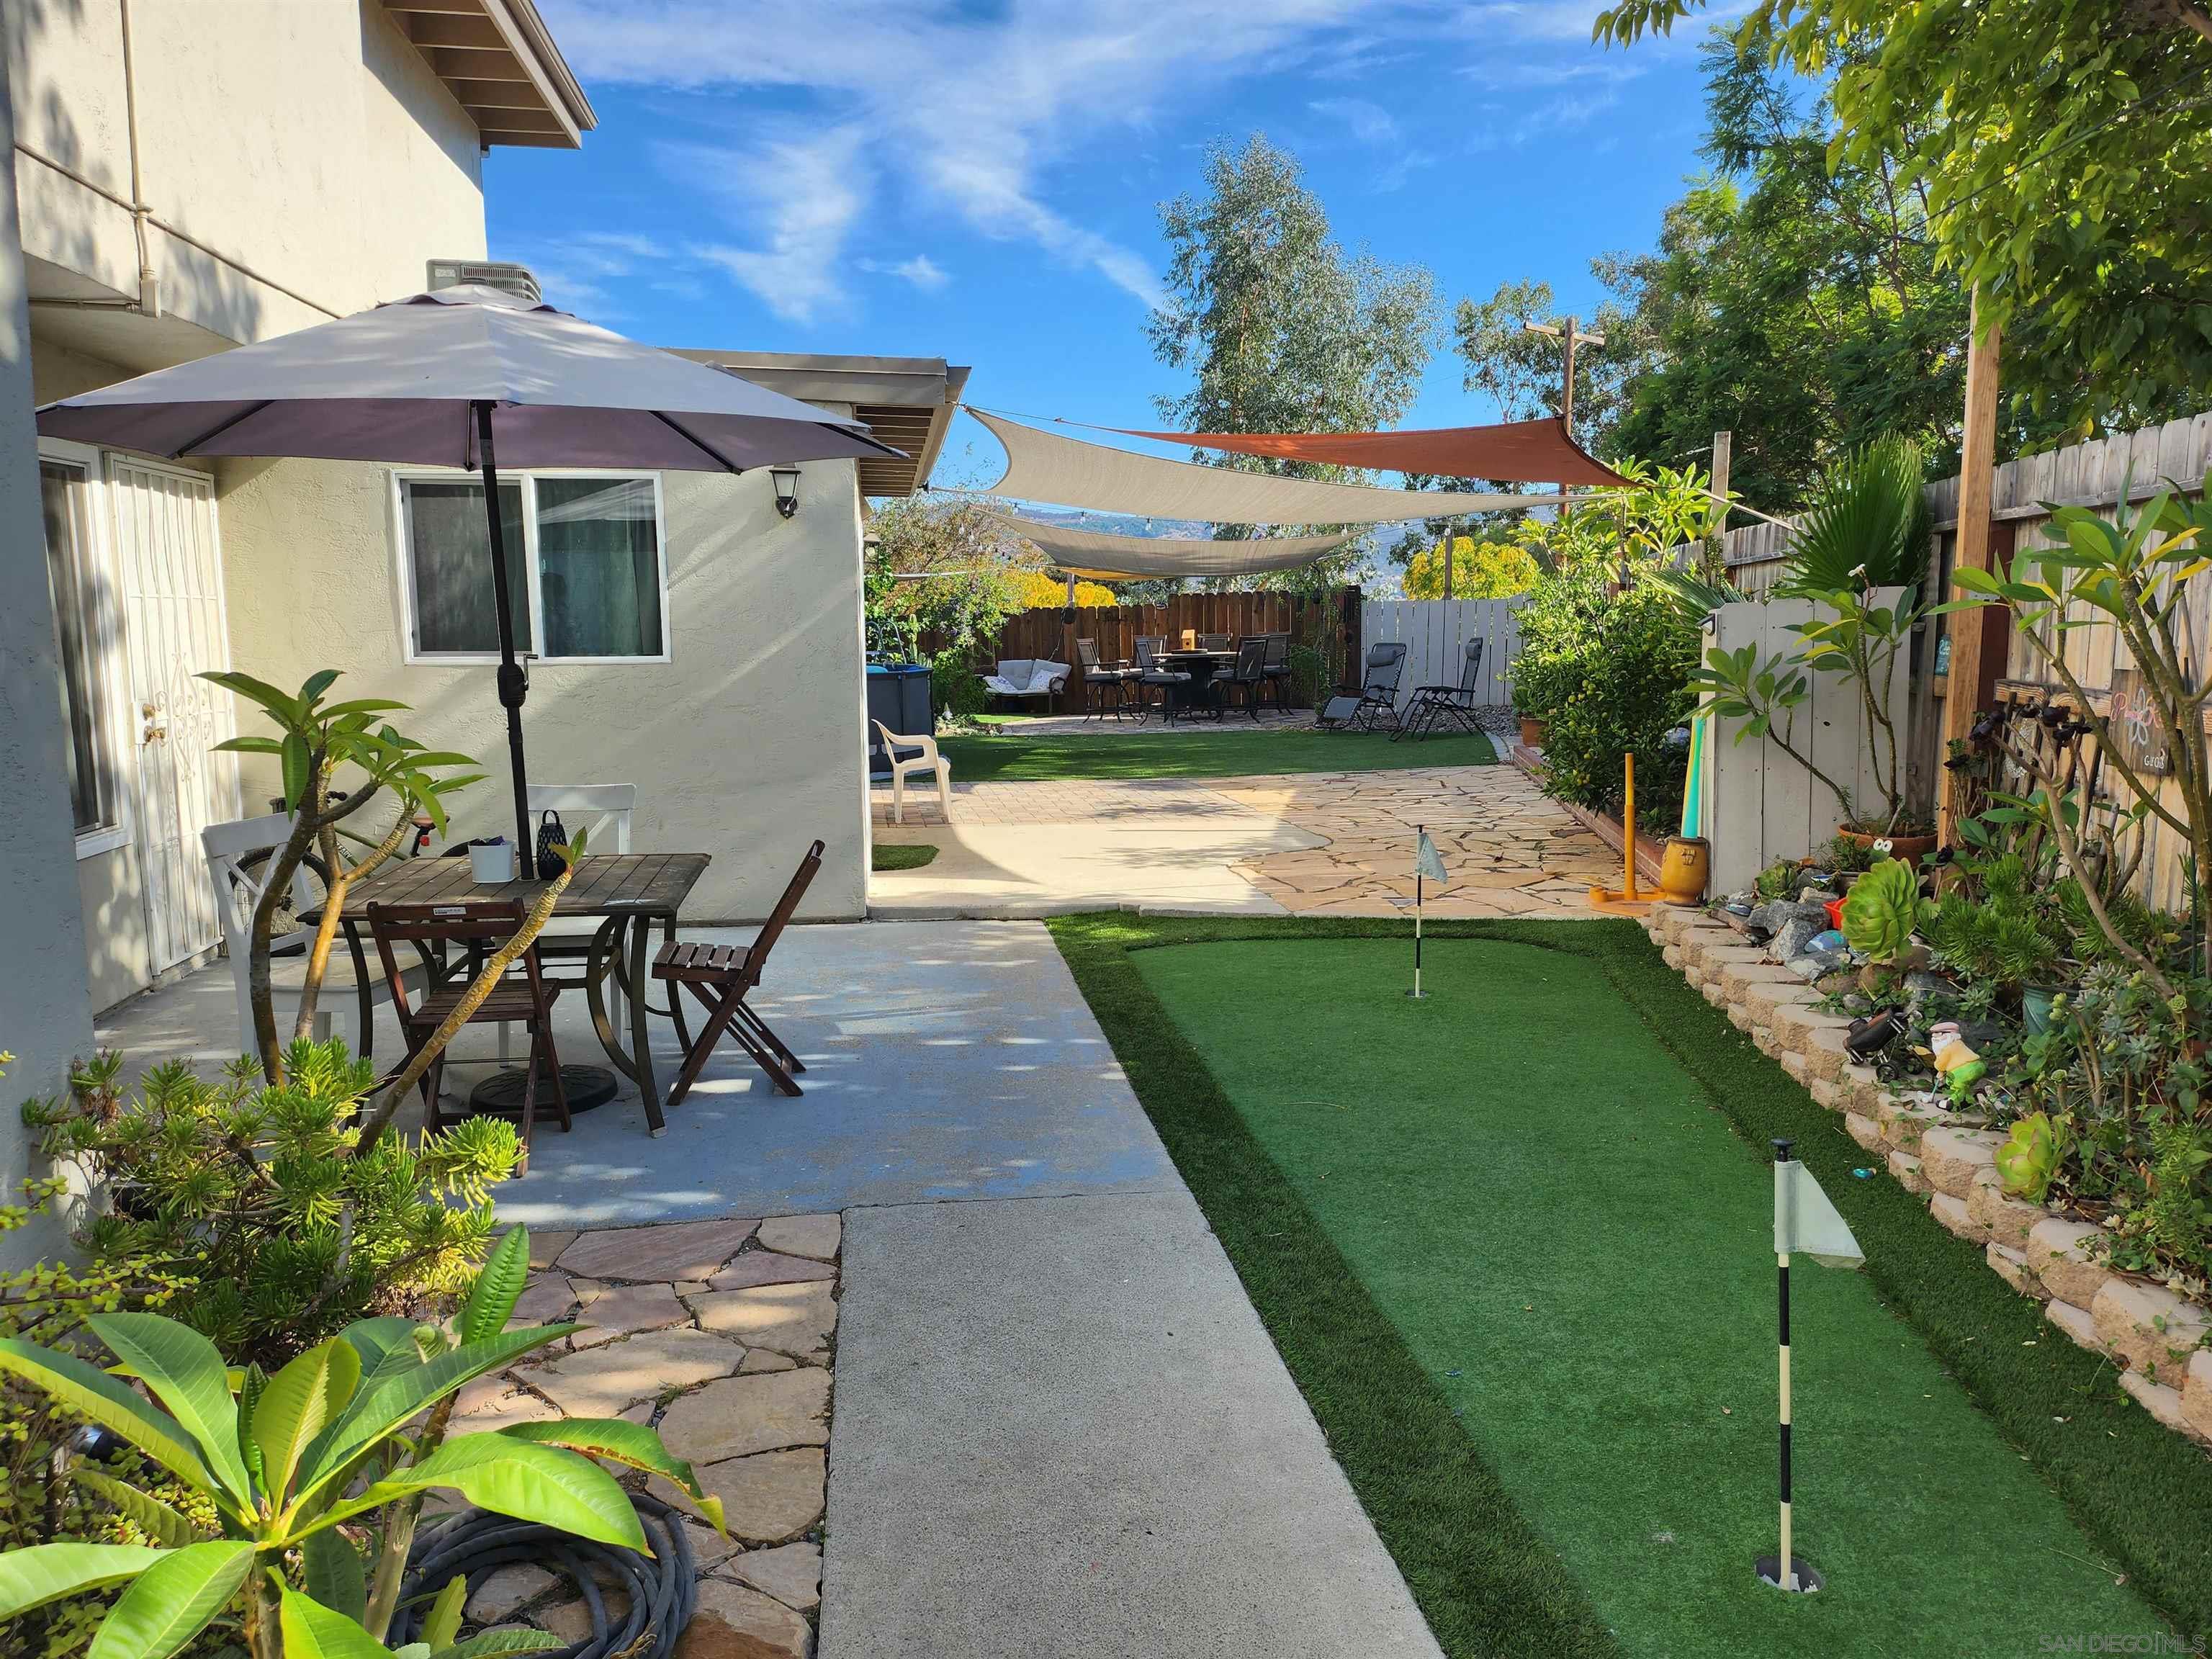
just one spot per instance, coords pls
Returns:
(2138, 730)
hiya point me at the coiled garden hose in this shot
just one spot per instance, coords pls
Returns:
(476, 1544)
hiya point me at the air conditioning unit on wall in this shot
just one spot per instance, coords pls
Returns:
(508, 278)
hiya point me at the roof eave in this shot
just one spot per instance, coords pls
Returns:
(498, 61)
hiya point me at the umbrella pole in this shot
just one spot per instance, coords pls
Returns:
(513, 686)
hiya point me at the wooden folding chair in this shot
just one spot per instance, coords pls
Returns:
(721, 976)
(522, 996)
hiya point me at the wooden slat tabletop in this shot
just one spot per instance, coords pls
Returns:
(630, 884)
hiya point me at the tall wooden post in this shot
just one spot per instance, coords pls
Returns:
(1976, 636)
(1724, 455)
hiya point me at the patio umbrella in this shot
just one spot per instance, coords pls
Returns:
(451, 378)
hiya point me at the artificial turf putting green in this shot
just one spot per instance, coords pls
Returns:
(900, 854)
(1017, 758)
(1523, 1214)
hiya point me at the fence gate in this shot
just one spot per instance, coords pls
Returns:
(1436, 633)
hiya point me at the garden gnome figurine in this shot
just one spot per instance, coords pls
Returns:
(1960, 1066)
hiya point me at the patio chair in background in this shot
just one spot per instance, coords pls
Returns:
(1374, 706)
(1250, 677)
(1278, 669)
(522, 996)
(1216, 641)
(1431, 706)
(925, 759)
(1152, 673)
(721, 976)
(239, 855)
(1105, 687)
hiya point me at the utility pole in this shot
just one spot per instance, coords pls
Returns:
(1568, 333)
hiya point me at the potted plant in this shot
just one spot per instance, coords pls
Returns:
(1866, 533)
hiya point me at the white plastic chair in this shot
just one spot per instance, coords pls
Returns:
(602, 811)
(928, 761)
(239, 885)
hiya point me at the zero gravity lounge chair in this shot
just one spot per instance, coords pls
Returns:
(1374, 706)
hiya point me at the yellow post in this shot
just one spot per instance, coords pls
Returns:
(1627, 900)
(1628, 832)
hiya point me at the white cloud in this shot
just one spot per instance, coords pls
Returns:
(924, 272)
(969, 111)
(972, 111)
(798, 195)
(1369, 123)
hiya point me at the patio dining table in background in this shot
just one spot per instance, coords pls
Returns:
(1203, 666)
(628, 892)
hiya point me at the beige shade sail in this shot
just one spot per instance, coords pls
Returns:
(1103, 558)
(1043, 466)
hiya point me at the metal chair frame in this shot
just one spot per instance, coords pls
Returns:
(1432, 705)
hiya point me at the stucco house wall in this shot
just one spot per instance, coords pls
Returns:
(44, 1017)
(309, 142)
(745, 745)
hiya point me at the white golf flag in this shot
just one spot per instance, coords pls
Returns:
(1806, 1224)
(1426, 861)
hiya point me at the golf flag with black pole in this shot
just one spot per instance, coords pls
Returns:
(1805, 1223)
(1427, 866)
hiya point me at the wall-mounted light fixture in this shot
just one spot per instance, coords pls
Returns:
(786, 489)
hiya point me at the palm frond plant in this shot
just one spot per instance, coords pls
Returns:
(284, 1462)
(1867, 530)
(1868, 525)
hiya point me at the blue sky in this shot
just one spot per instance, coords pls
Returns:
(980, 181)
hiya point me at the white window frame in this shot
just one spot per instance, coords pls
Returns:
(534, 635)
(110, 666)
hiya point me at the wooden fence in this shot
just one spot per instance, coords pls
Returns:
(1328, 622)
(1436, 633)
(2101, 474)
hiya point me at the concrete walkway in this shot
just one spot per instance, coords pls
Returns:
(1058, 1425)
(1061, 1429)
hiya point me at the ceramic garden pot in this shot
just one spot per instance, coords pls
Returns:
(2035, 1008)
(1532, 730)
(1684, 869)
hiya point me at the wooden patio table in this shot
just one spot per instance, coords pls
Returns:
(628, 891)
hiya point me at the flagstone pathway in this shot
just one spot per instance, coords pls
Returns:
(1507, 850)
(1327, 843)
(721, 1333)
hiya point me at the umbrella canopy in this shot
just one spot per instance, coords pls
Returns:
(399, 384)
(464, 377)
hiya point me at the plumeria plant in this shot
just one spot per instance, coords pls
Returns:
(352, 1433)
(317, 743)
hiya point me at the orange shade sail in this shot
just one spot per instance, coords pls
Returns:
(1520, 452)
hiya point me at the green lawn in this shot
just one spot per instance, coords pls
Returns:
(1513, 1243)
(1231, 754)
(900, 855)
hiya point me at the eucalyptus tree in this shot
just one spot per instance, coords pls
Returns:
(1279, 327)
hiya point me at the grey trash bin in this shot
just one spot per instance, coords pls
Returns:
(898, 696)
